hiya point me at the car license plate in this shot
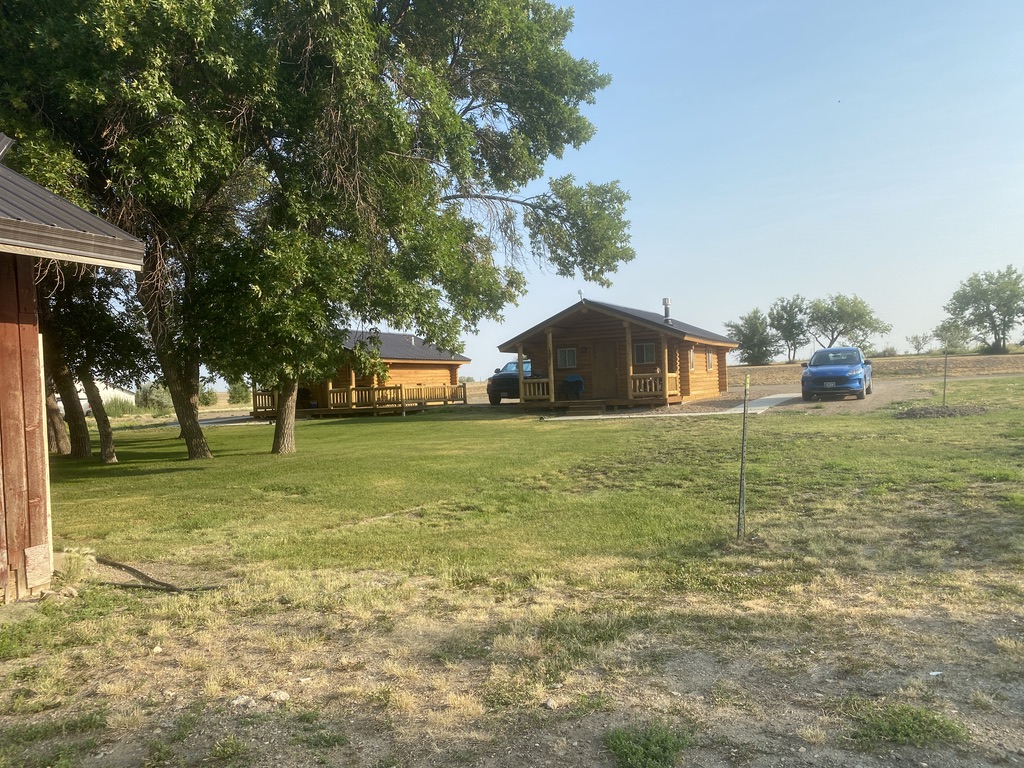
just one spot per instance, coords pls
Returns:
(829, 384)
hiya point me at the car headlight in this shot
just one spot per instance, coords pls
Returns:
(857, 371)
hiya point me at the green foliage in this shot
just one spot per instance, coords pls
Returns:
(843, 318)
(16, 637)
(19, 735)
(758, 343)
(239, 392)
(653, 745)
(952, 336)
(153, 398)
(89, 333)
(990, 304)
(788, 318)
(230, 750)
(298, 169)
(208, 395)
(894, 723)
(120, 406)
(55, 743)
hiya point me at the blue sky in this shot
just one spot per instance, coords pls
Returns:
(776, 148)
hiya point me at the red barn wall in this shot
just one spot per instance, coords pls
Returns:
(25, 553)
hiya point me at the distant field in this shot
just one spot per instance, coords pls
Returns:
(888, 367)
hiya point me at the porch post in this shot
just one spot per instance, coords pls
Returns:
(551, 368)
(664, 368)
(522, 390)
(629, 360)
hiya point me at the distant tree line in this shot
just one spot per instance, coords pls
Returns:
(985, 310)
(791, 323)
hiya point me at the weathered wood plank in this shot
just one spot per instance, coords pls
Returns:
(38, 566)
(35, 436)
(12, 426)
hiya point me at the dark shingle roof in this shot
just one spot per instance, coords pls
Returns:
(406, 346)
(36, 222)
(652, 320)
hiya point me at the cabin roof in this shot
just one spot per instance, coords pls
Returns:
(407, 346)
(652, 320)
(36, 222)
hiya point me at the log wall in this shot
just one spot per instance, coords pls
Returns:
(592, 328)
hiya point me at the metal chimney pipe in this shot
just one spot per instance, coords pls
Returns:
(667, 303)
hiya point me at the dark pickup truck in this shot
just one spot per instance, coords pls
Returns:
(505, 382)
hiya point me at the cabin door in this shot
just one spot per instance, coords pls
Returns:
(605, 376)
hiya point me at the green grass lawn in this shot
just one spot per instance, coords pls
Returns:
(517, 496)
(436, 579)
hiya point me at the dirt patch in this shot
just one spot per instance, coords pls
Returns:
(940, 411)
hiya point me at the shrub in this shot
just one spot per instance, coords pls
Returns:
(239, 392)
(879, 722)
(119, 406)
(154, 398)
(654, 745)
(208, 395)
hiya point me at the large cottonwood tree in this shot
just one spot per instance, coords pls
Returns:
(843, 318)
(297, 167)
(991, 304)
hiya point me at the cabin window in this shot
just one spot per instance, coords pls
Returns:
(567, 357)
(711, 359)
(693, 363)
(643, 353)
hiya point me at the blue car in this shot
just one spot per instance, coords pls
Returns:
(836, 371)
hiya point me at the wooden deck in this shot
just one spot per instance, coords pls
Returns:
(350, 401)
(646, 390)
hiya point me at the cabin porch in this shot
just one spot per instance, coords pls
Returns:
(347, 401)
(645, 390)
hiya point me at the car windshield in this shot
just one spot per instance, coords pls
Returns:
(513, 367)
(834, 357)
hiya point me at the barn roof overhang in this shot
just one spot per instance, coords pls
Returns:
(36, 222)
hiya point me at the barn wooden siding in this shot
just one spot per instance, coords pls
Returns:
(25, 554)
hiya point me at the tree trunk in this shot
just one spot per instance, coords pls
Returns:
(179, 363)
(284, 427)
(74, 414)
(57, 431)
(183, 386)
(64, 383)
(107, 453)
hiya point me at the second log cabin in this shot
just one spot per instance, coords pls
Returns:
(615, 356)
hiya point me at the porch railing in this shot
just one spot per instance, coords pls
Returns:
(535, 389)
(397, 396)
(653, 385)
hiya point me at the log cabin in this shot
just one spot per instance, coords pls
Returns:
(419, 375)
(35, 225)
(605, 356)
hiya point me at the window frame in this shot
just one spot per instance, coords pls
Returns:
(641, 359)
(561, 358)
